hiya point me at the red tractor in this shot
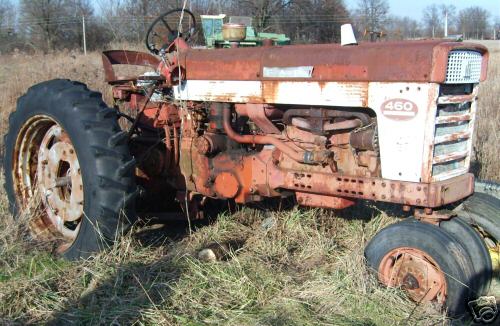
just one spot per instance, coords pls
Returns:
(326, 125)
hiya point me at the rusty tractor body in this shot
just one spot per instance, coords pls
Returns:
(329, 124)
(326, 125)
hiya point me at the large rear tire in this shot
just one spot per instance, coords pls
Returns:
(425, 261)
(67, 164)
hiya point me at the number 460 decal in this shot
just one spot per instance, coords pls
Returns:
(399, 109)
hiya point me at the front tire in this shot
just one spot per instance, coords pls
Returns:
(482, 211)
(423, 260)
(476, 248)
(66, 155)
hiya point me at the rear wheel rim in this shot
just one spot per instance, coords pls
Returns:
(416, 272)
(47, 176)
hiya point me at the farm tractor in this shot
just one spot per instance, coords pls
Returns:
(324, 125)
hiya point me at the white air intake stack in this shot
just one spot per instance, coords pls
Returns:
(347, 35)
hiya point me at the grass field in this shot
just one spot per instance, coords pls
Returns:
(486, 146)
(295, 267)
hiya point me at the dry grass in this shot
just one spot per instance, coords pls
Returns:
(486, 145)
(306, 267)
(298, 268)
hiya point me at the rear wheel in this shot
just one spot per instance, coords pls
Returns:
(423, 260)
(67, 165)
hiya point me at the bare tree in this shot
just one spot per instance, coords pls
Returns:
(372, 15)
(264, 11)
(213, 6)
(6, 14)
(496, 28)
(473, 22)
(403, 28)
(7, 29)
(42, 21)
(433, 20)
(324, 20)
(96, 33)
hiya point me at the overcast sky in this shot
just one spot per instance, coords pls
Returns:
(415, 8)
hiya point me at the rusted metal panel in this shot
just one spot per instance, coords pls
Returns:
(353, 94)
(451, 190)
(415, 61)
(450, 157)
(123, 57)
(451, 137)
(224, 64)
(407, 193)
(456, 99)
(220, 91)
(453, 118)
(321, 201)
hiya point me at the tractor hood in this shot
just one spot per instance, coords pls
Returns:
(409, 61)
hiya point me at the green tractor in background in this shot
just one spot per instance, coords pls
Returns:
(239, 32)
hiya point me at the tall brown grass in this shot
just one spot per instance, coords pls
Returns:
(487, 129)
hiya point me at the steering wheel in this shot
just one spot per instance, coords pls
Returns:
(167, 27)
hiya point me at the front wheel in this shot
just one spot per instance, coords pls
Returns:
(68, 167)
(425, 261)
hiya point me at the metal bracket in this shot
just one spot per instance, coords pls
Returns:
(431, 216)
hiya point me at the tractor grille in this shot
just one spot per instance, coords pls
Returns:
(453, 132)
(464, 66)
(456, 109)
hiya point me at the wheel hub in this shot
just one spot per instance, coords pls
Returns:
(60, 181)
(410, 282)
(47, 171)
(414, 271)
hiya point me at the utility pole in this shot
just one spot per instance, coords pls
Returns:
(446, 23)
(84, 36)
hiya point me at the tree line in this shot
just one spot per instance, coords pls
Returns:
(47, 25)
